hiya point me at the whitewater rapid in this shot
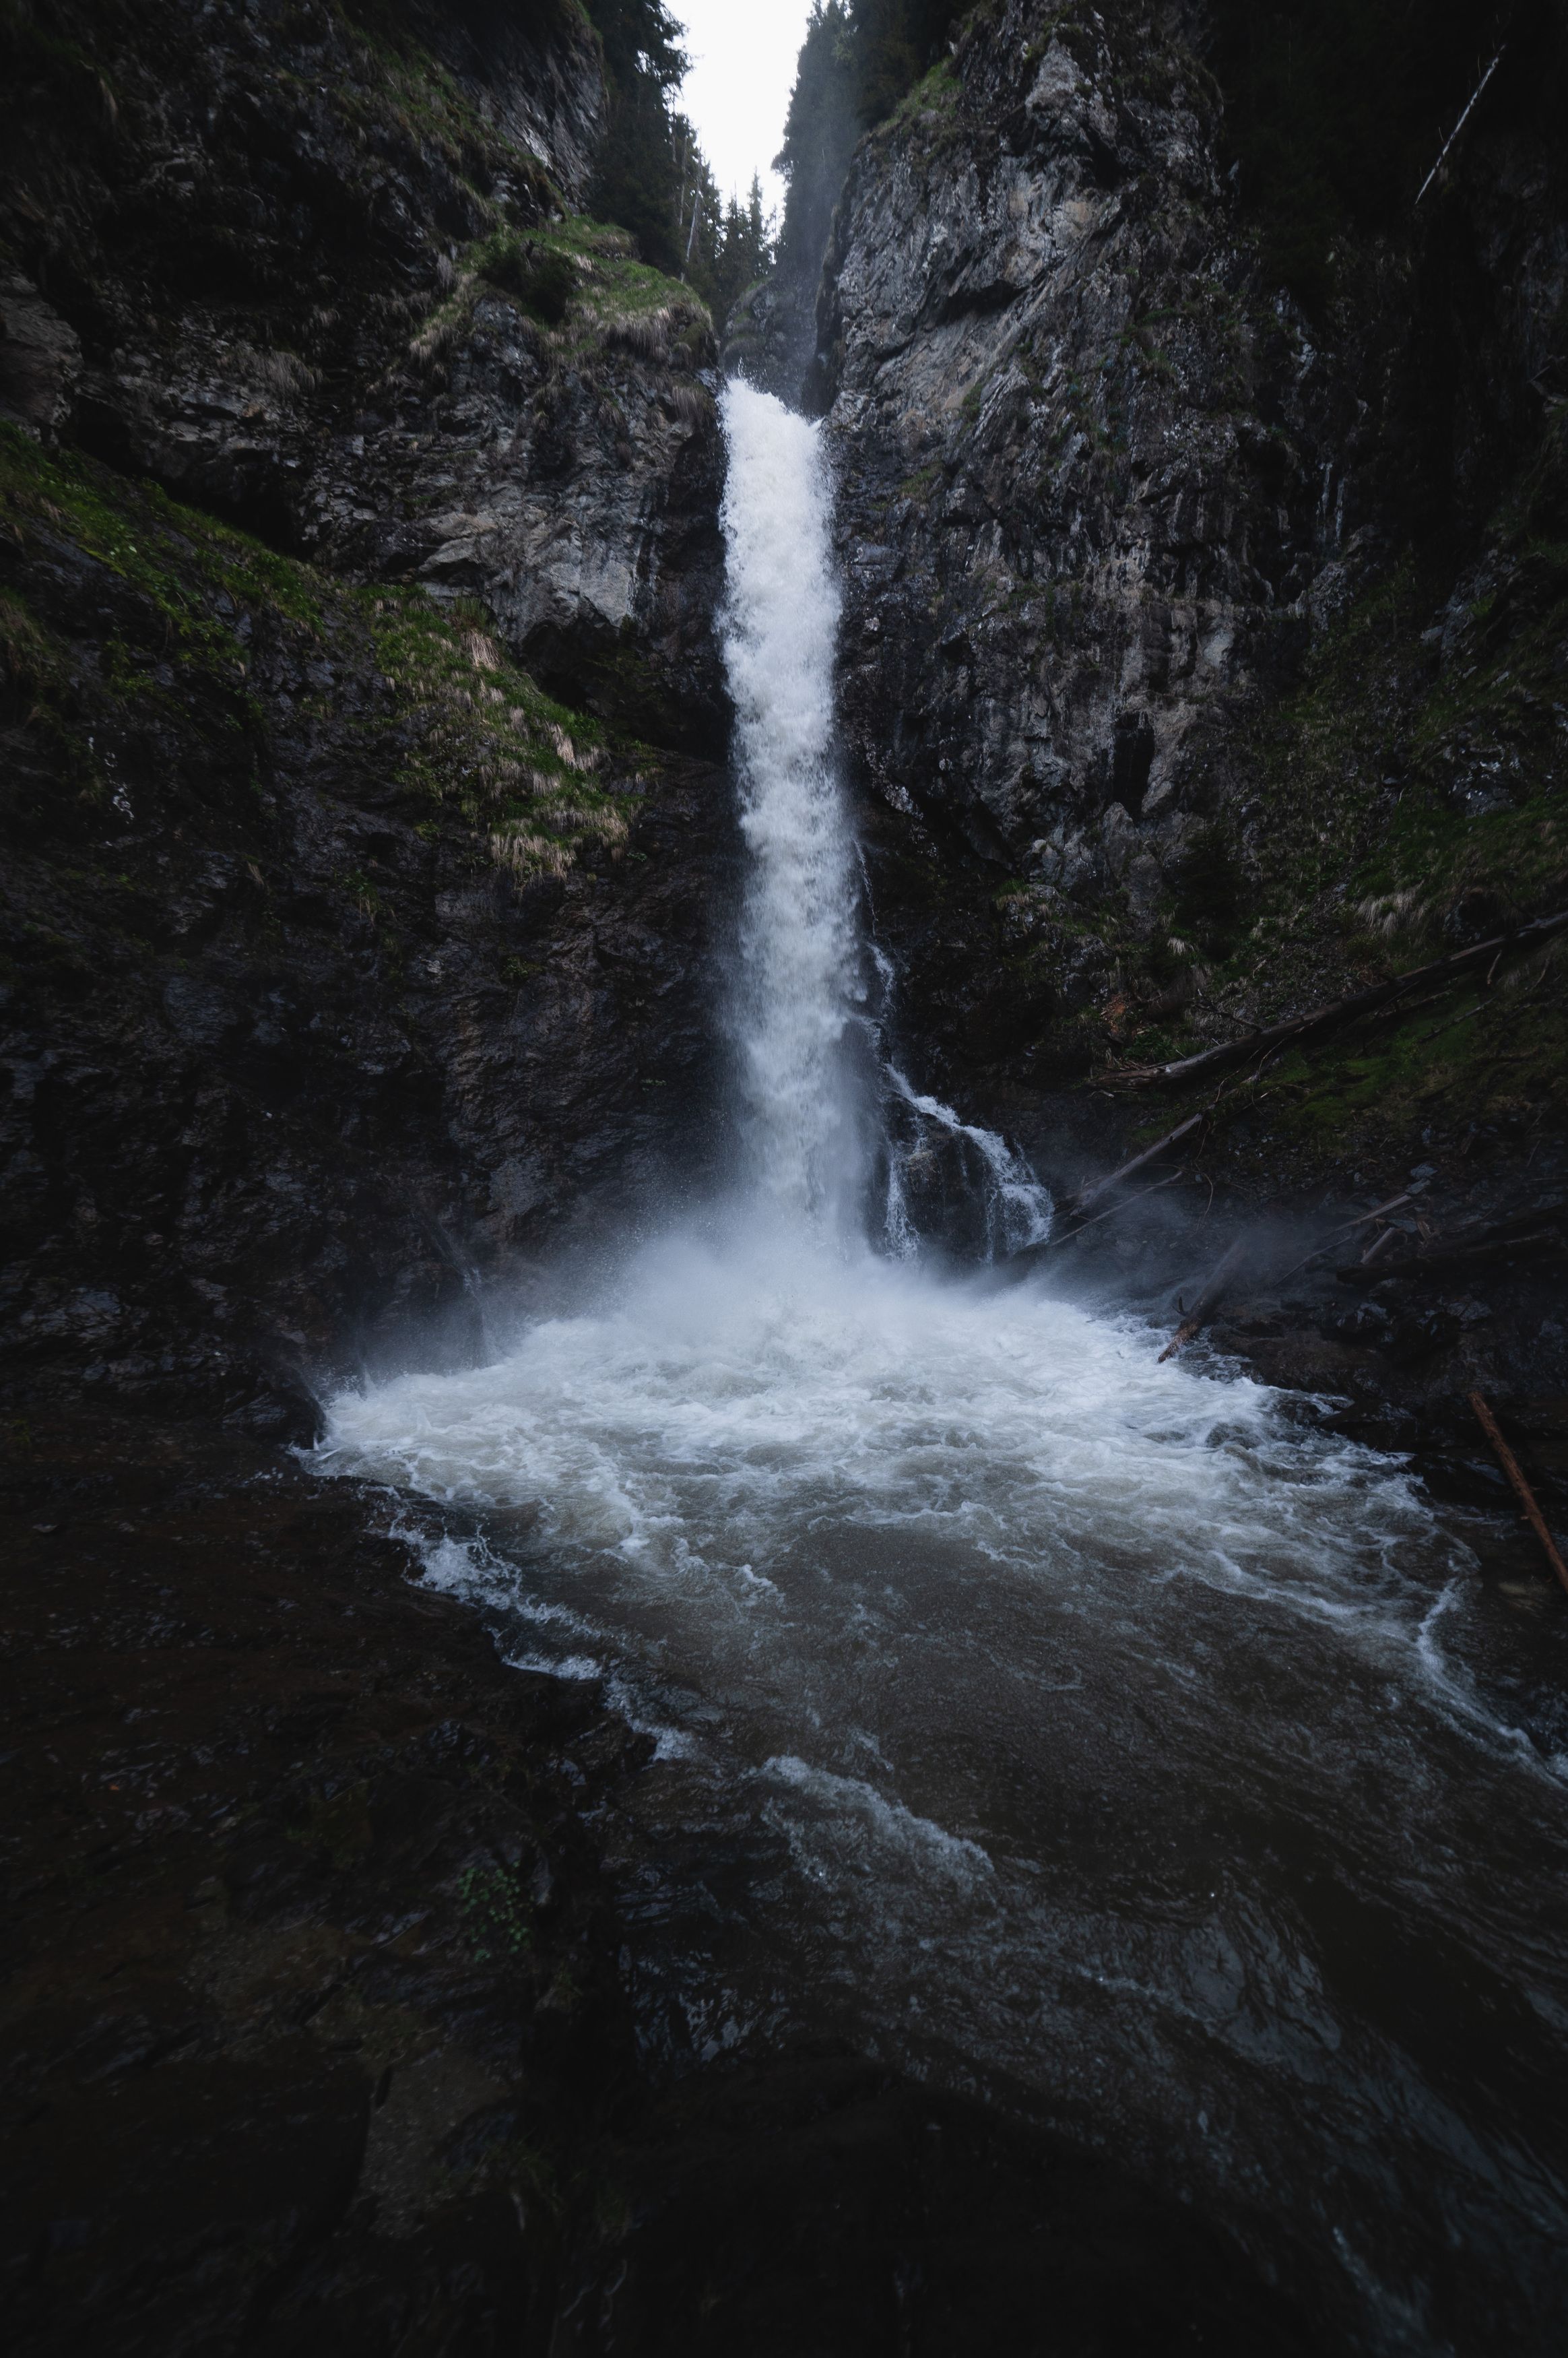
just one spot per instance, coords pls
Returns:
(1106, 1735)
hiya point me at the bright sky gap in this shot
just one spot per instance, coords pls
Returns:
(743, 57)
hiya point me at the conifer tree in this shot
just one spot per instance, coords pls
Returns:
(895, 41)
(637, 181)
(820, 130)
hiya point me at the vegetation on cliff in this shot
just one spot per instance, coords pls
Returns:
(651, 178)
(462, 726)
(857, 58)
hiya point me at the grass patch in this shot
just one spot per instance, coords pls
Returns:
(580, 283)
(516, 764)
(174, 557)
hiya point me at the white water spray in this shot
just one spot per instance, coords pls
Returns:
(798, 929)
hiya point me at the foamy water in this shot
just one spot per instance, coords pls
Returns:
(1100, 1734)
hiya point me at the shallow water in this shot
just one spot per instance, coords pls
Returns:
(1054, 1721)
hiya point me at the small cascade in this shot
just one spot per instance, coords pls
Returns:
(951, 1183)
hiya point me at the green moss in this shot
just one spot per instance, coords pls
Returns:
(543, 278)
(405, 89)
(1475, 1058)
(484, 738)
(932, 100)
(475, 733)
(170, 555)
(582, 283)
(32, 655)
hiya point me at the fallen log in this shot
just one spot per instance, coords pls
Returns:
(1523, 1491)
(1339, 1234)
(1524, 1232)
(1345, 1010)
(1080, 1201)
(1208, 1300)
(1460, 1257)
(1464, 119)
(1028, 1253)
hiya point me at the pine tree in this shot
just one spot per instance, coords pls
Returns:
(857, 60)
(894, 42)
(820, 130)
(637, 181)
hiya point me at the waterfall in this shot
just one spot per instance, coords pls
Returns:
(797, 935)
(801, 1011)
(1034, 1712)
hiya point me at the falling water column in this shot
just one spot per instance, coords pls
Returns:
(798, 935)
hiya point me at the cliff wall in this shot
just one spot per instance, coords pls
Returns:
(1202, 657)
(366, 852)
(360, 877)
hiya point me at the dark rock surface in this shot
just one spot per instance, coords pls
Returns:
(344, 966)
(296, 1052)
(311, 1997)
(1188, 638)
(315, 2038)
(288, 264)
(1078, 448)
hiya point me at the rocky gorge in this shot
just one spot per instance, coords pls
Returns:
(372, 864)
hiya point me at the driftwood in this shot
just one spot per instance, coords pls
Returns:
(1208, 1300)
(1523, 1233)
(1345, 1010)
(1338, 1235)
(1029, 1253)
(1464, 119)
(1080, 1201)
(1523, 1491)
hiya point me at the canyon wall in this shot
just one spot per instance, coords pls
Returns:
(368, 860)
(1189, 635)
(366, 843)
(1202, 651)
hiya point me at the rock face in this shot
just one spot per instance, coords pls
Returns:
(347, 965)
(297, 1048)
(319, 281)
(1107, 495)
(1080, 506)
(569, 481)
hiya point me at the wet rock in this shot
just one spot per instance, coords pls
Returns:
(294, 1059)
(277, 2065)
(825, 2205)
(40, 359)
(1061, 491)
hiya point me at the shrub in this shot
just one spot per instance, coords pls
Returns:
(542, 279)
